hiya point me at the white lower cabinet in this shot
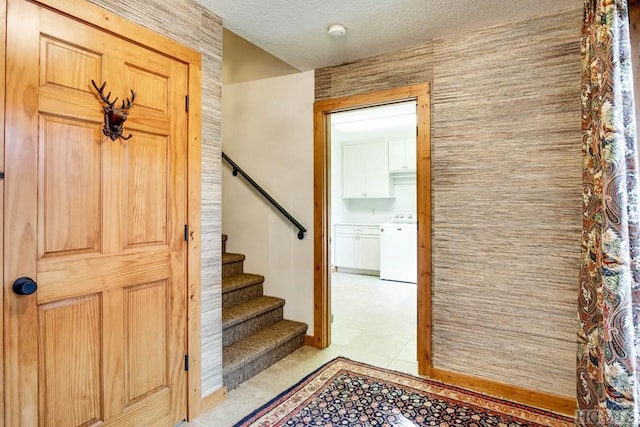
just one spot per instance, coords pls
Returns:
(357, 247)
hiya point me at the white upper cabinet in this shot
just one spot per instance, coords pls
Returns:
(402, 156)
(365, 171)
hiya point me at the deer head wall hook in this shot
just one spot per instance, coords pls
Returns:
(114, 116)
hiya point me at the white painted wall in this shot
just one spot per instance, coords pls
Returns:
(268, 130)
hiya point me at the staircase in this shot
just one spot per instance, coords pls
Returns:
(254, 333)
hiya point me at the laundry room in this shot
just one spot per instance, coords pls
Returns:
(373, 192)
(374, 234)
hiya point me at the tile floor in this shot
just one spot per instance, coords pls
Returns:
(374, 322)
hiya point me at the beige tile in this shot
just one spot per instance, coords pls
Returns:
(303, 354)
(409, 352)
(370, 358)
(238, 403)
(342, 335)
(402, 366)
(395, 328)
(388, 346)
(353, 319)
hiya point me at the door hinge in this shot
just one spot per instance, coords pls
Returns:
(1, 175)
(186, 362)
(186, 232)
(186, 103)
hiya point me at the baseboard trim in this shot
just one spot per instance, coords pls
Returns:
(311, 341)
(551, 402)
(215, 398)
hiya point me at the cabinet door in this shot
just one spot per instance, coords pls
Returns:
(402, 156)
(345, 250)
(396, 156)
(352, 172)
(376, 166)
(368, 250)
(410, 154)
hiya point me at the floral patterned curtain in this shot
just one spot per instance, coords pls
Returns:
(608, 371)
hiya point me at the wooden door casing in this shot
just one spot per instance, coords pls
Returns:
(421, 93)
(98, 224)
(3, 19)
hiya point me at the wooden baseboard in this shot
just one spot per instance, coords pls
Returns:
(551, 402)
(210, 401)
(311, 341)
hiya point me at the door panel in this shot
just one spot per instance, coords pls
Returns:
(71, 326)
(97, 223)
(66, 65)
(70, 158)
(146, 337)
(146, 161)
(154, 88)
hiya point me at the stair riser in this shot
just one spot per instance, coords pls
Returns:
(254, 366)
(232, 268)
(250, 326)
(241, 295)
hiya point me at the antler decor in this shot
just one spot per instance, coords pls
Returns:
(114, 117)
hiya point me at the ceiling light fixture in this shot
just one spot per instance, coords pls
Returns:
(337, 30)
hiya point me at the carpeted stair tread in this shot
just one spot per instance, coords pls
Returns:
(232, 264)
(240, 281)
(247, 310)
(254, 346)
(240, 287)
(229, 258)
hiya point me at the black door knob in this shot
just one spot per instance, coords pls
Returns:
(24, 286)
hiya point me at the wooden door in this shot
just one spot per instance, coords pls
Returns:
(98, 224)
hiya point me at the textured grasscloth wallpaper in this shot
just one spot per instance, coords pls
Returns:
(506, 166)
(194, 26)
(401, 68)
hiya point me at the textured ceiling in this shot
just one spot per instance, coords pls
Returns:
(295, 30)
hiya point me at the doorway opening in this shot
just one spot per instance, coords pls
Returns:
(325, 112)
(374, 237)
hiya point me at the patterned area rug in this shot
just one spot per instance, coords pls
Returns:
(348, 393)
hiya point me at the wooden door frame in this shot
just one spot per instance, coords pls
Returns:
(3, 36)
(118, 26)
(421, 93)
